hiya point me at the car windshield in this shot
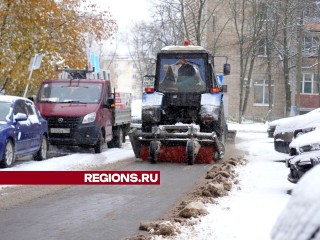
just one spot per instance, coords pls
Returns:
(182, 75)
(70, 92)
(5, 111)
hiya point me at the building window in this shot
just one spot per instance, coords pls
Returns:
(311, 12)
(261, 92)
(310, 45)
(307, 83)
(262, 47)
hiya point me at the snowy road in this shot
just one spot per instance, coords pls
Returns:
(93, 212)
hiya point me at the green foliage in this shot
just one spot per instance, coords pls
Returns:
(58, 29)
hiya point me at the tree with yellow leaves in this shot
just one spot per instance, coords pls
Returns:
(58, 29)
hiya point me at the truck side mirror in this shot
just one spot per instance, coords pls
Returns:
(226, 69)
(110, 103)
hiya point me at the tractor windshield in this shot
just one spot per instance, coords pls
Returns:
(182, 75)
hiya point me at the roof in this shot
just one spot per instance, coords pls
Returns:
(183, 48)
(8, 98)
(75, 80)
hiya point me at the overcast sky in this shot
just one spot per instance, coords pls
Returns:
(125, 12)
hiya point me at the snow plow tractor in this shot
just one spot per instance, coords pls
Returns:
(182, 109)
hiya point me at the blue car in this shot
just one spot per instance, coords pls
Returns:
(23, 131)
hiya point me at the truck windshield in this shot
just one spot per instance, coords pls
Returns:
(182, 75)
(64, 92)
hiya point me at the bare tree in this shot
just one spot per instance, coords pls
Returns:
(248, 20)
(147, 38)
(289, 44)
(173, 21)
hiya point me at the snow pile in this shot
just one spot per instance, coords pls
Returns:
(218, 183)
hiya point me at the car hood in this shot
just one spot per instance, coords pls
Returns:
(298, 122)
(68, 110)
(278, 122)
(307, 139)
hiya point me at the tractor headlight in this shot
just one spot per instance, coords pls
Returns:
(91, 117)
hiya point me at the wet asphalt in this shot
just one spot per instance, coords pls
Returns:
(101, 212)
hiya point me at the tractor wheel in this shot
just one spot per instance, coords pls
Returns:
(190, 153)
(146, 127)
(153, 152)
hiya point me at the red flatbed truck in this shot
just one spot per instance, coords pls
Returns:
(84, 112)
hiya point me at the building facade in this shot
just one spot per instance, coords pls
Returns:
(221, 37)
(124, 75)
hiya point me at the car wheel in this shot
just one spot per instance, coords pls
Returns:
(43, 150)
(281, 146)
(8, 155)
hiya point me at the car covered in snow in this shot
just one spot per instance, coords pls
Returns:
(299, 220)
(289, 128)
(305, 149)
(300, 164)
(305, 141)
(272, 126)
(23, 131)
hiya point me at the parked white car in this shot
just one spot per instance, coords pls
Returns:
(289, 128)
(305, 150)
(136, 109)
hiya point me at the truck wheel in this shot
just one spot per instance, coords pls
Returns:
(43, 150)
(8, 155)
(117, 138)
(99, 145)
(190, 153)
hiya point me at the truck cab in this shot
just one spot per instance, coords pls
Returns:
(83, 112)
